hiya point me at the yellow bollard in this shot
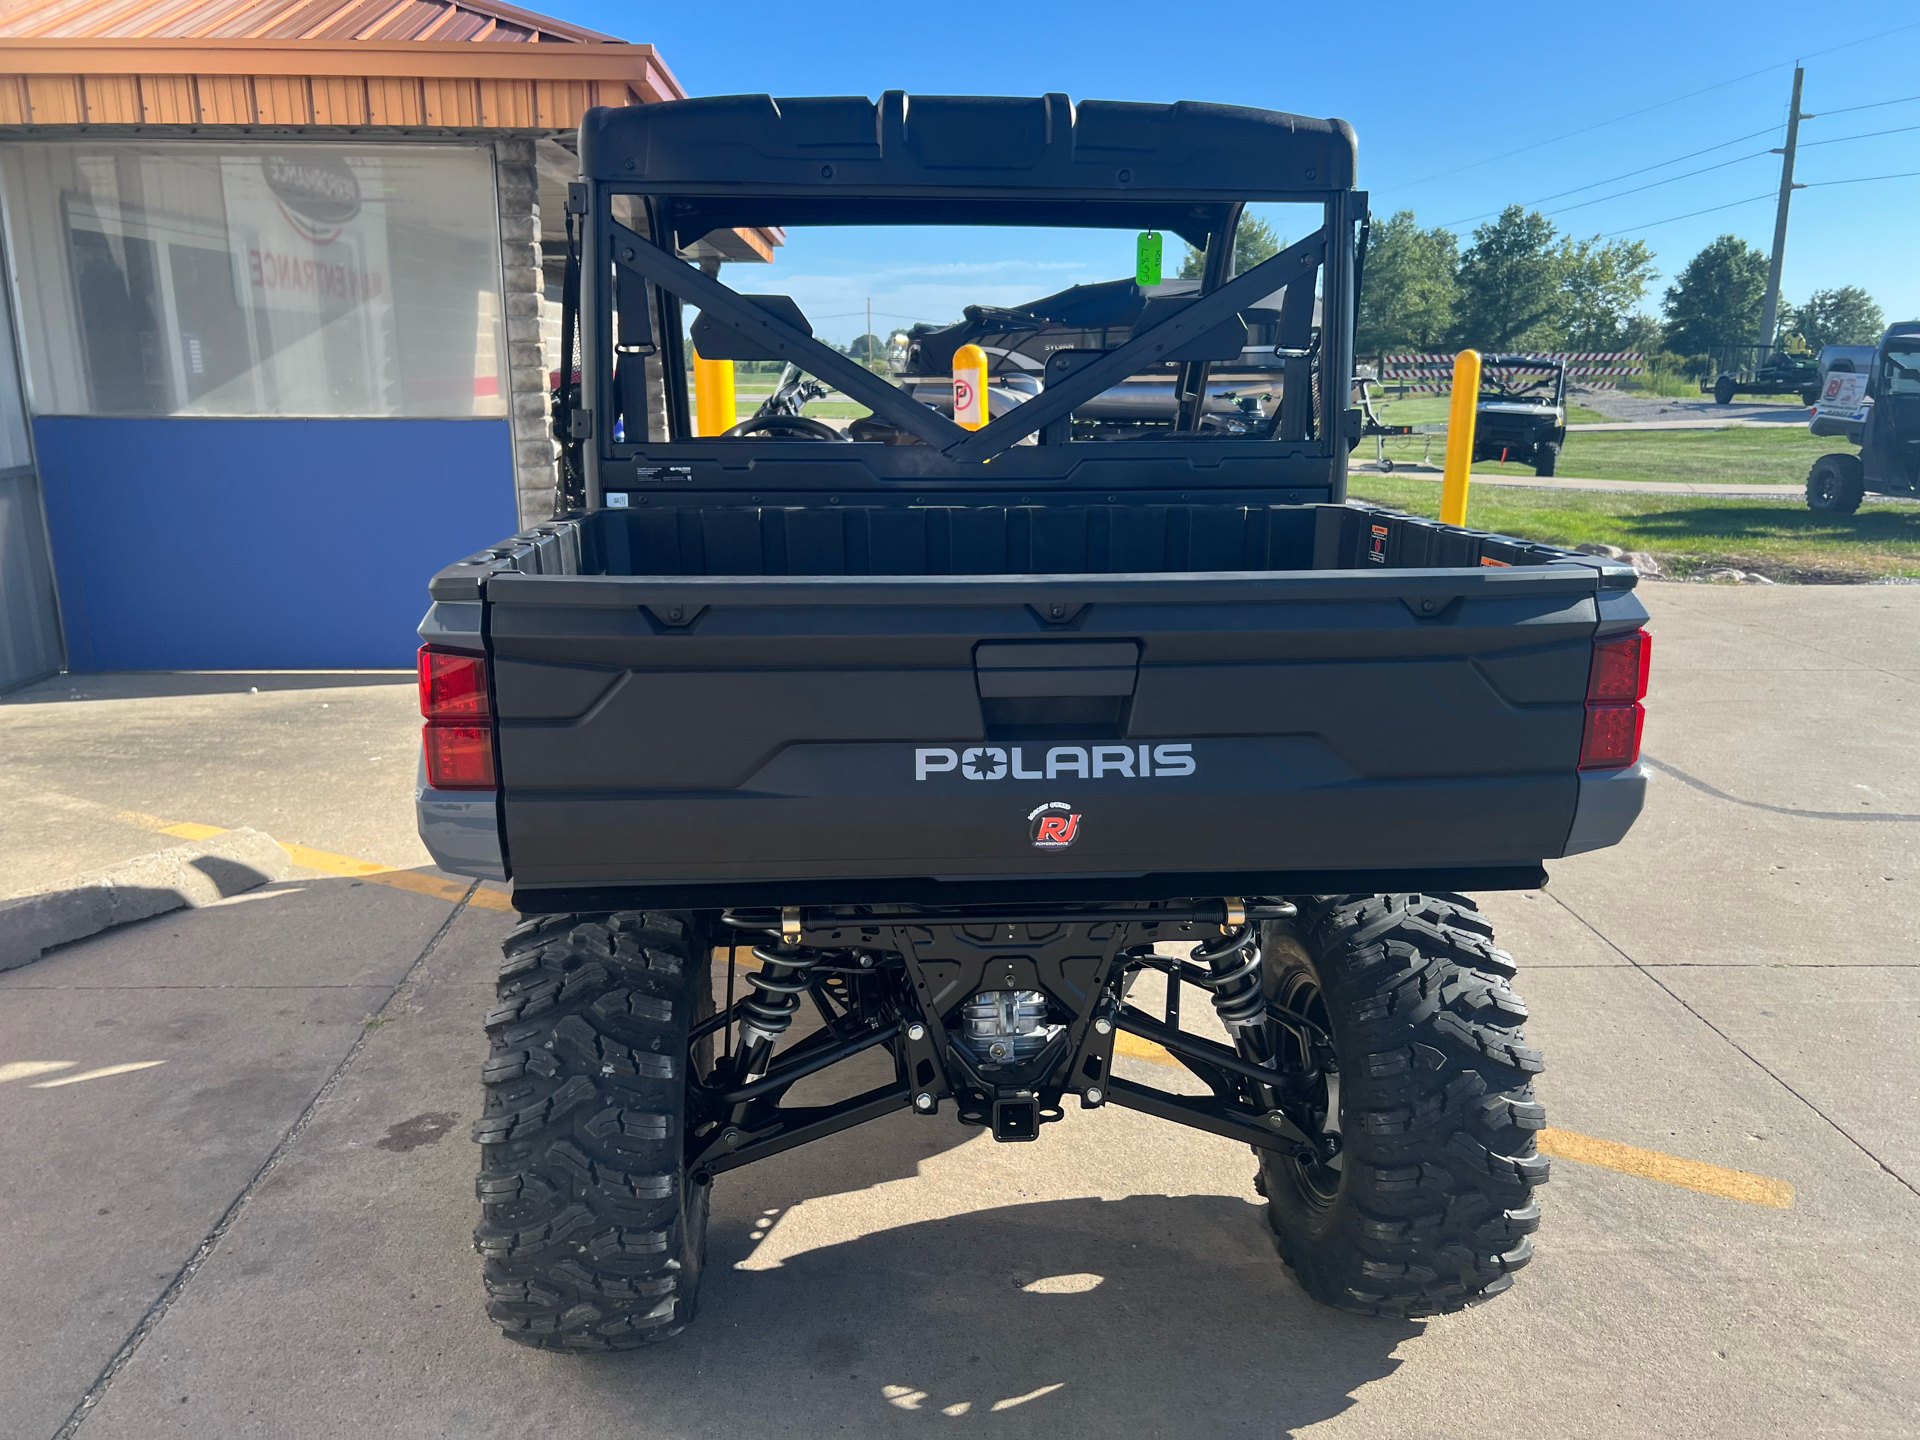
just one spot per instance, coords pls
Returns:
(712, 396)
(970, 387)
(1460, 417)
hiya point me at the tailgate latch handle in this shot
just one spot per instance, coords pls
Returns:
(1056, 668)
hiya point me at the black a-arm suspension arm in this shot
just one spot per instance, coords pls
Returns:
(732, 1146)
(1207, 1113)
(736, 312)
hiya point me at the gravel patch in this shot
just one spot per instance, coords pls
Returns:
(1619, 405)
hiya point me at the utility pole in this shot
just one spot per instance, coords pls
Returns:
(870, 332)
(1770, 310)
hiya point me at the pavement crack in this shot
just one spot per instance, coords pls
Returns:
(1695, 783)
(164, 1302)
(1757, 1062)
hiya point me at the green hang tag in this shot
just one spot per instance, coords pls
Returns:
(1146, 259)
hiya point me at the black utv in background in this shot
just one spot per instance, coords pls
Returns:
(1888, 437)
(1522, 414)
(994, 746)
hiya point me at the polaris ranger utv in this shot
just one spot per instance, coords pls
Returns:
(964, 737)
(1888, 433)
(1522, 414)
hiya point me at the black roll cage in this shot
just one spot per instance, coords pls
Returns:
(1493, 366)
(634, 283)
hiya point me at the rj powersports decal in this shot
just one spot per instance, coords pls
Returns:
(1033, 762)
(1053, 826)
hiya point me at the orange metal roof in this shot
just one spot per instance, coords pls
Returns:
(396, 64)
(475, 20)
(403, 84)
(341, 64)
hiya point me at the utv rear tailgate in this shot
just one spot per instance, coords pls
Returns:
(704, 732)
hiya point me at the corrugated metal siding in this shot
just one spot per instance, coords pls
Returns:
(287, 20)
(410, 101)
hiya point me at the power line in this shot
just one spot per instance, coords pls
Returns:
(1876, 105)
(1615, 179)
(1769, 195)
(1764, 195)
(1661, 105)
(1804, 145)
(1585, 129)
(1678, 159)
(1865, 135)
(1656, 184)
(1862, 179)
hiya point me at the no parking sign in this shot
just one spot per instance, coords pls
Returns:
(970, 387)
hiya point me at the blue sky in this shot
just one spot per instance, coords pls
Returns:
(1456, 117)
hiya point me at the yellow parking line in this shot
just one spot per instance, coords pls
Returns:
(187, 830)
(1591, 1150)
(437, 886)
(1668, 1169)
(1140, 1049)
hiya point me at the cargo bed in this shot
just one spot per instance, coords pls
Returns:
(706, 705)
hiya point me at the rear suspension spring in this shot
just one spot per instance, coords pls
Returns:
(1238, 996)
(778, 986)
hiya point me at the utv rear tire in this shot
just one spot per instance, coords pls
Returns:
(592, 1229)
(1430, 1207)
(1836, 484)
(1546, 456)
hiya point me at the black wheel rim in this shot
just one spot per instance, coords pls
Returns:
(1318, 1182)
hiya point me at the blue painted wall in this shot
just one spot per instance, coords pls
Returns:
(213, 544)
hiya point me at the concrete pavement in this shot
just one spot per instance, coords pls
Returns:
(1737, 984)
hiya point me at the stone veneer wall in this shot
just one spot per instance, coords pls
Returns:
(528, 364)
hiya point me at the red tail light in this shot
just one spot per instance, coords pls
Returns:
(1620, 667)
(453, 685)
(1615, 687)
(458, 735)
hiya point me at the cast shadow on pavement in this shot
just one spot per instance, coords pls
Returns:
(1149, 1315)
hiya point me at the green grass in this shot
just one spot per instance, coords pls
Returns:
(1782, 539)
(1666, 384)
(1742, 455)
(746, 402)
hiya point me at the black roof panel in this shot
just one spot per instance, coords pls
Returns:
(984, 146)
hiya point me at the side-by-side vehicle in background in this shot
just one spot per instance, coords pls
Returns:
(1876, 407)
(1522, 414)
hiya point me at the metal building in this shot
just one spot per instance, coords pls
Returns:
(279, 314)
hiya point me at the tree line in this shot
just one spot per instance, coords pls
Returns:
(1522, 284)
